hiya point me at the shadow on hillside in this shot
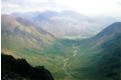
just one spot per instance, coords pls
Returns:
(19, 69)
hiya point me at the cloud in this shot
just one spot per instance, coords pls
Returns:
(24, 1)
(10, 5)
(86, 7)
(119, 3)
(91, 7)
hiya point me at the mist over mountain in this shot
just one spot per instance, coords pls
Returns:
(68, 23)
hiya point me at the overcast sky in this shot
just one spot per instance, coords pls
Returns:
(86, 7)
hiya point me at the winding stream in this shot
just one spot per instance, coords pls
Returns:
(66, 60)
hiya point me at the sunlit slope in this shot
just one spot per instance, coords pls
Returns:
(18, 34)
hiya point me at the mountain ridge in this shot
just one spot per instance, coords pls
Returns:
(101, 55)
(17, 31)
(67, 22)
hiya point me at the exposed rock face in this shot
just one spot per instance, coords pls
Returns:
(19, 69)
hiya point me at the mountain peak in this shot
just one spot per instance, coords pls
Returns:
(111, 29)
(111, 32)
(115, 25)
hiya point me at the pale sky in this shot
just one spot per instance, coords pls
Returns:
(85, 7)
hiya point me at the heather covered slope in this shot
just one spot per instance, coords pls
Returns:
(19, 69)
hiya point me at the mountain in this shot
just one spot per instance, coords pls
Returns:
(109, 41)
(68, 23)
(65, 23)
(99, 56)
(109, 33)
(19, 69)
(95, 58)
(20, 31)
(22, 39)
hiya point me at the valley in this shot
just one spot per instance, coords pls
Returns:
(67, 63)
(95, 58)
(60, 39)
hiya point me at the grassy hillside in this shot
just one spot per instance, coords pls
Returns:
(22, 39)
(99, 57)
(96, 58)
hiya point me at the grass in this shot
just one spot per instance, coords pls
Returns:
(52, 57)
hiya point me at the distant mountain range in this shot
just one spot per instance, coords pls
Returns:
(67, 23)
